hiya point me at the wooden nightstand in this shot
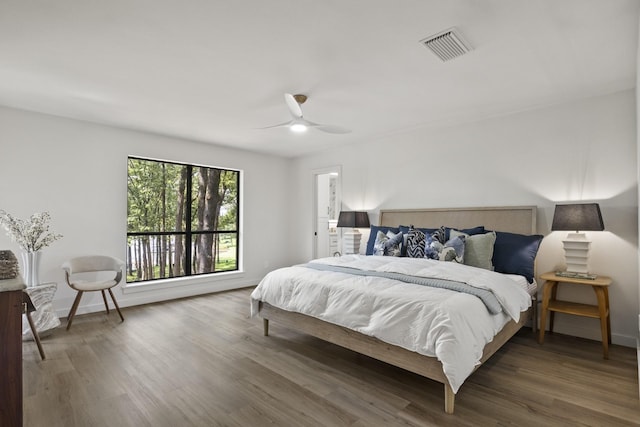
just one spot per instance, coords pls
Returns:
(601, 311)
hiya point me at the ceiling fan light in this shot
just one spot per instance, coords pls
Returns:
(298, 127)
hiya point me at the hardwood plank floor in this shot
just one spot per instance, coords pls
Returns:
(202, 362)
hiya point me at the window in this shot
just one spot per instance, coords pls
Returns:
(182, 220)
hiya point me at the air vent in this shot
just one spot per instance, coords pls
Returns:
(447, 45)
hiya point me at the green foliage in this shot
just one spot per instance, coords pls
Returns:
(149, 184)
(148, 181)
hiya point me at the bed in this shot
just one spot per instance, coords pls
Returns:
(516, 222)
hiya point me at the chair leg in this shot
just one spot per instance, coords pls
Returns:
(104, 298)
(74, 307)
(36, 336)
(116, 304)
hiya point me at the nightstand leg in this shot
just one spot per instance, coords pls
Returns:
(546, 293)
(552, 315)
(602, 307)
(534, 314)
(606, 300)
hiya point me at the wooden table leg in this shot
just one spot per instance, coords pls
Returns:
(552, 315)
(606, 300)
(534, 315)
(604, 323)
(36, 336)
(546, 294)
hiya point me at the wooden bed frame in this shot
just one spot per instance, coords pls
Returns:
(514, 219)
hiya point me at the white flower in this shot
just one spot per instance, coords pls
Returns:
(31, 235)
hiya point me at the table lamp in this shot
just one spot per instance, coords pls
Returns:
(577, 217)
(351, 238)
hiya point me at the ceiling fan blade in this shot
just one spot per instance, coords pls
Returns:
(285, 124)
(299, 123)
(328, 128)
(294, 107)
(333, 129)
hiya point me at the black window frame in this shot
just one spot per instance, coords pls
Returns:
(188, 233)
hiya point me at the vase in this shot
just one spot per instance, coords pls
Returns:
(30, 267)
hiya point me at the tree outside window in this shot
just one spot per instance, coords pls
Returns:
(182, 220)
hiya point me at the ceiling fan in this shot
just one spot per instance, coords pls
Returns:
(299, 123)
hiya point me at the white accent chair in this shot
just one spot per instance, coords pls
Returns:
(100, 265)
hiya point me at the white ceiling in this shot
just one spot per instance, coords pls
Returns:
(213, 70)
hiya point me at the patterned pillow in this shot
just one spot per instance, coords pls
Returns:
(452, 250)
(373, 232)
(440, 235)
(432, 247)
(389, 244)
(415, 243)
(405, 230)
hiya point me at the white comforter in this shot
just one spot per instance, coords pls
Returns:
(451, 326)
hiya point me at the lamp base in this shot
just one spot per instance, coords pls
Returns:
(351, 242)
(576, 253)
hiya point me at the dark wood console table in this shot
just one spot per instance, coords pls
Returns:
(11, 309)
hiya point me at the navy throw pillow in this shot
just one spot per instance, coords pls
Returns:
(516, 253)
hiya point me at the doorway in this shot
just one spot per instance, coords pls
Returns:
(327, 202)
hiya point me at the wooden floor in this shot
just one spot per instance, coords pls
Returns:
(202, 362)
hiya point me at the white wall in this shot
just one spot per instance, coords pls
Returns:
(78, 172)
(580, 151)
(638, 171)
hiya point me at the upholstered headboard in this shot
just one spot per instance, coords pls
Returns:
(512, 219)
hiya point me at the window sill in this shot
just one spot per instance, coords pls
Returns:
(175, 282)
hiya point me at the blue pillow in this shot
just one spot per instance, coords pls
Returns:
(374, 232)
(516, 253)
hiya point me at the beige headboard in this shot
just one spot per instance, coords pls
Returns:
(513, 219)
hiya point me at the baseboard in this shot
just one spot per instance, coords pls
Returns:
(92, 301)
(590, 329)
